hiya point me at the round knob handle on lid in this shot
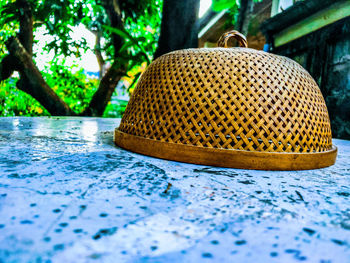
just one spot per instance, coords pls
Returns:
(223, 40)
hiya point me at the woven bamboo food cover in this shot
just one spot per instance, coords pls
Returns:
(231, 107)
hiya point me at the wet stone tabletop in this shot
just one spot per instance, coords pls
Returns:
(67, 194)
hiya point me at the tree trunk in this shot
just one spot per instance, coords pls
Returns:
(114, 15)
(33, 83)
(104, 92)
(25, 35)
(20, 59)
(179, 28)
(244, 16)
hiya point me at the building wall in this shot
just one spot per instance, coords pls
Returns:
(325, 53)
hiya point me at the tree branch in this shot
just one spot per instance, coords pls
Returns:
(113, 11)
(25, 34)
(104, 92)
(97, 50)
(98, 53)
(244, 16)
(33, 83)
(110, 80)
(7, 66)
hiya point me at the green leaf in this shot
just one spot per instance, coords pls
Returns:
(124, 34)
(219, 5)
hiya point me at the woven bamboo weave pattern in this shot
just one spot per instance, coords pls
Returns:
(223, 40)
(229, 98)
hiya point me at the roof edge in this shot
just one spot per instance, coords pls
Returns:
(294, 14)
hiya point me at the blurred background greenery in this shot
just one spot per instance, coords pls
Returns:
(56, 40)
(74, 43)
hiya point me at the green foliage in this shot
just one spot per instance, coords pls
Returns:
(233, 13)
(141, 20)
(132, 52)
(70, 84)
(232, 7)
(7, 26)
(115, 109)
(76, 89)
(58, 18)
(219, 5)
(14, 102)
(140, 35)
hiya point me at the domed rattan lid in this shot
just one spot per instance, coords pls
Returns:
(230, 107)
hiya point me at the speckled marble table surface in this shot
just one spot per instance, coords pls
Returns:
(67, 194)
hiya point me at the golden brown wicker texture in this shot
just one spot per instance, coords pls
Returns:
(229, 98)
(224, 39)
